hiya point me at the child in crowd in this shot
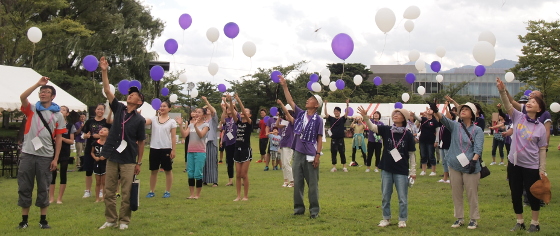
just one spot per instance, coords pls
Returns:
(100, 162)
(274, 147)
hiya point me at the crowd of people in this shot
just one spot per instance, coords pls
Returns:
(291, 141)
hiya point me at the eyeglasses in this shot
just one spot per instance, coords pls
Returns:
(44, 92)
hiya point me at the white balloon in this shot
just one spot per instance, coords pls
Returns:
(325, 80)
(420, 65)
(332, 86)
(421, 90)
(411, 12)
(213, 34)
(316, 87)
(413, 55)
(249, 49)
(409, 25)
(439, 78)
(111, 87)
(440, 51)
(173, 98)
(358, 79)
(213, 68)
(34, 34)
(555, 107)
(183, 78)
(488, 37)
(194, 93)
(325, 72)
(385, 19)
(510, 76)
(405, 97)
(484, 53)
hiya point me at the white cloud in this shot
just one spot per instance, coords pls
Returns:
(284, 32)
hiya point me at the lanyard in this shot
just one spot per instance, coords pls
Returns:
(124, 122)
(516, 138)
(461, 138)
(425, 122)
(38, 123)
(393, 137)
(335, 122)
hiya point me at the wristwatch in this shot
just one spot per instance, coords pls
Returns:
(139, 163)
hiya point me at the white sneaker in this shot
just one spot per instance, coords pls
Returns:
(423, 173)
(376, 170)
(501, 163)
(86, 194)
(100, 193)
(123, 226)
(344, 169)
(384, 223)
(108, 225)
(441, 181)
(433, 174)
(493, 163)
(368, 170)
(447, 182)
(402, 224)
(333, 169)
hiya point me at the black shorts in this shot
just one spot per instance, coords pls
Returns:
(242, 154)
(263, 142)
(100, 167)
(160, 158)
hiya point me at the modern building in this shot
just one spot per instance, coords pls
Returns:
(482, 88)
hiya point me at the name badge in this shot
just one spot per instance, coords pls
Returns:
(463, 159)
(229, 136)
(310, 158)
(284, 122)
(440, 144)
(329, 132)
(37, 143)
(122, 146)
(395, 154)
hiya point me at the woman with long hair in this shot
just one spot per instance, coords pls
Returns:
(210, 174)
(196, 158)
(91, 134)
(243, 152)
(63, 158)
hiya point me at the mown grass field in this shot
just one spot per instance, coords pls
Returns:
(350, 205)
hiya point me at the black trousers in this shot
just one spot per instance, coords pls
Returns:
(337, 146)
(521, 178)
(373, 147)
(230, 152)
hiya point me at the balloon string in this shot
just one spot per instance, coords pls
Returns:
(213, 49)
(233, 49)
(385, 43)
(250, 64)
(32, 55)
(398, 23)
(183, 37)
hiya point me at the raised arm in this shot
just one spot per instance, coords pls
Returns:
(451, 101)
(110, 117)
(372, 127)
(243, 109)
(210, 107)
(325, 109)
(224, 110)
(287, 115)
(184, 132)
(104, 65)
(231, 110)
(503, 94)
(347, 106)
(287, 93)
(23, 97)
(514, 103)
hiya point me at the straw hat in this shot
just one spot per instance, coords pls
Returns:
(541, 189)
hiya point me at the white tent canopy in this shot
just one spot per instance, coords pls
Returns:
(15, 80)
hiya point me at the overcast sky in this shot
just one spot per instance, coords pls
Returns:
(284, 32)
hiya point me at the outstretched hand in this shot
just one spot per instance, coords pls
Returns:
(279, 102)
(43, 81)
(433, 106)
(282, 80)
(500, 84)
(103, 64)
(362, 111)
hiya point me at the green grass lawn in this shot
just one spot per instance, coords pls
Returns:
(350, 205)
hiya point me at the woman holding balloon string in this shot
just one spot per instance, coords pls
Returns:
(398, 162)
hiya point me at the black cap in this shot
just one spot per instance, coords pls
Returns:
(135, 89)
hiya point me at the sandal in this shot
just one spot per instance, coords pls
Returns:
(229, 184)
(215, 185)
(285, 184)
(291, 185)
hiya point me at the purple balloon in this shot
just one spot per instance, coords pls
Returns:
(171, 46)
(135, 83)
(527, 92)
(90, 63)
(342, 46)
(164, 91)
(274, 111)
(398, 105)
(123, 87)
(156, 73)
(274, 76)
(350, 111)
(377, 81)
(231, 30)
(266, 118)
(479, 70)
(436, 66)
(410, 78)
(314, 78)
(185, 21)
(156, 103)
(222, 88)
(339, 84)
(309, 85)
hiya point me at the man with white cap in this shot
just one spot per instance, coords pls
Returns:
(307, 145)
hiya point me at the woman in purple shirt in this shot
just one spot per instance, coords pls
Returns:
(375, 143)
(230, 134)
(286, 126)
(527, 159)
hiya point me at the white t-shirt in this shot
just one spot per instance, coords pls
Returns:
(161, 133)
